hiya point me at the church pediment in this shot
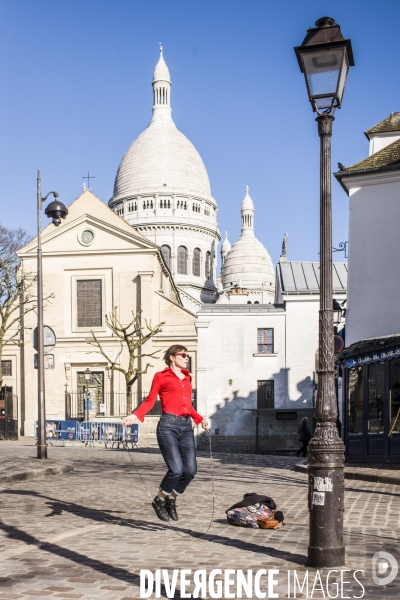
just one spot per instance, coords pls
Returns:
(90, 227)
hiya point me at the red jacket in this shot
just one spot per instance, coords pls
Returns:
(175, 395)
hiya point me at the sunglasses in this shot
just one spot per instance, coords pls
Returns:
(183, 354)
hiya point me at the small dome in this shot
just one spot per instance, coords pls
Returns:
(225, 245)
(249, 265)
(247, 203)
(161, 72)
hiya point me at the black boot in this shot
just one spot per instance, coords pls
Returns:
(171, 508)
(160, 506)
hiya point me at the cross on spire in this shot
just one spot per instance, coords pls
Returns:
(88, 177)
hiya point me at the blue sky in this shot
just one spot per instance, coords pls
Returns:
(75, 81)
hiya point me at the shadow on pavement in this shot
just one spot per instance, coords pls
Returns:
(58, 507)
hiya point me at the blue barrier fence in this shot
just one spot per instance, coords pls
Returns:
(109, 433)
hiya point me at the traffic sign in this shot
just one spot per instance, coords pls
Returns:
(338, 343)
(50, 339)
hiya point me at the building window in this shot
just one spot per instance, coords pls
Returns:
(265, 341)
(89, 303)
(166, 252)
(265, 394)
(196, 262)
(182, 260)
(6, 368)
(208, 265)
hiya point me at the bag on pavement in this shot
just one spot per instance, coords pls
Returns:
(255, 511)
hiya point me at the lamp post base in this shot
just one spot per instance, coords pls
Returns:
(326, 497)
(326, 557)
(42, 451)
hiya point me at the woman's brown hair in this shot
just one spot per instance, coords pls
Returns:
(171, 351)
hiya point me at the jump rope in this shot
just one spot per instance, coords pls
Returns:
(180, 534)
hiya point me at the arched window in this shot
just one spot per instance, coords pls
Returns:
(166, 252)
(182, 260)
(196, 262)
(208, 265)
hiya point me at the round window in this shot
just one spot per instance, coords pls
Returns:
(87, 237)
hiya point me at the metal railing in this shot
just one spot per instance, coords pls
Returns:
(109, 404)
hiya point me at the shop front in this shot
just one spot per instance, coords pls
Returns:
(371, 398)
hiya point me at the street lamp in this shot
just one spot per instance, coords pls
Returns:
(55, 211)
(337, 312)
(324, 58)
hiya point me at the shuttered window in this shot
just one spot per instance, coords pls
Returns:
(208, 265)
(6, 368)
(265, 341)
(182, 260)
(265, 394)
(89, 303)
(166, 252)
(196, 262)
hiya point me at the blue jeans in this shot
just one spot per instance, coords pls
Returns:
(176, 441)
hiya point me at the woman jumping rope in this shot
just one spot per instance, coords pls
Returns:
(174, 430)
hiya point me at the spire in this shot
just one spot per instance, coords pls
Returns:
(161, 89)
(225, 248)
(247, 212)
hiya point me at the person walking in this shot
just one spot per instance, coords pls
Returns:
(174, 430)
(305, 436)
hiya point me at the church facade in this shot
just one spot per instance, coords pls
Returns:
(94, 263)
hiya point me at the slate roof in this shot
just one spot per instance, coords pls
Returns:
(390, 155)
(303, 277)
(391, 123)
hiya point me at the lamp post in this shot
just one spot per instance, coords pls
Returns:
(88, 374)
(324, 58)
(55, 211)
(110, 372)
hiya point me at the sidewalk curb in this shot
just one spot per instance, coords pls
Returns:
(352, 474)
(56, 468)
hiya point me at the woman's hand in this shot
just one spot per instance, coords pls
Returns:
(205, 424)
(129, 420)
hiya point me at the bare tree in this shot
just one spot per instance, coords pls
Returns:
(133, 337)
(16, 289)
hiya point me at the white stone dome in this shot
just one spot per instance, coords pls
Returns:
(248, 264)
(161, 159)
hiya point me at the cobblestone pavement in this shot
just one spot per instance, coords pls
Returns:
(19, 462)
(88, 533)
